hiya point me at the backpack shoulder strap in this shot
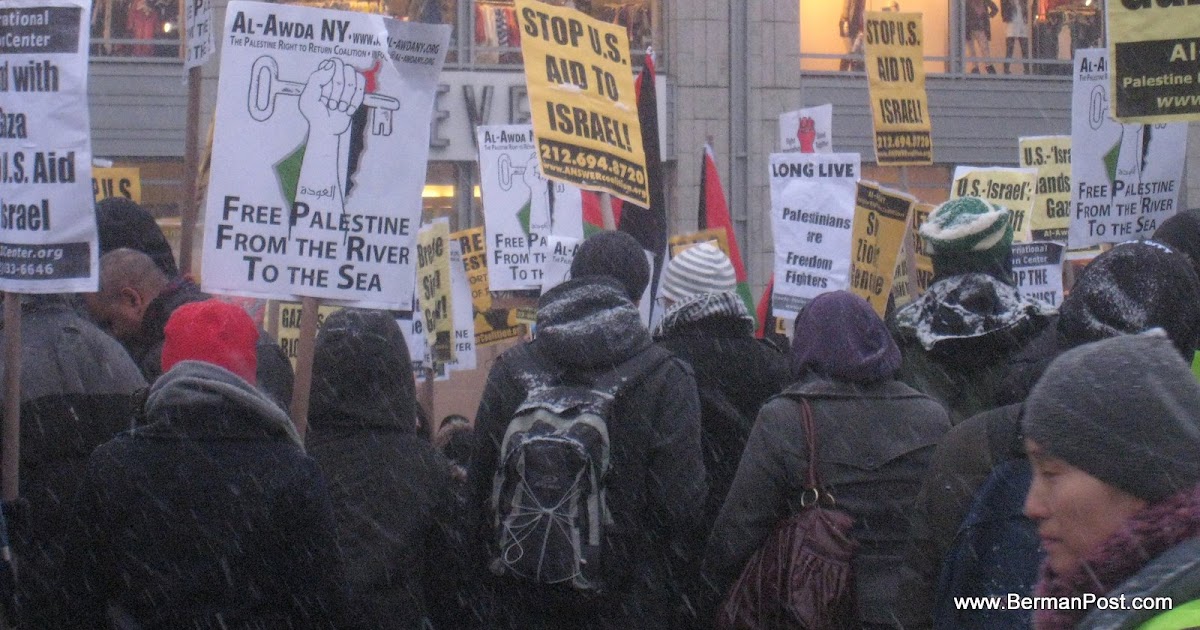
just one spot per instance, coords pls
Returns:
(533, 370)
(631, 370)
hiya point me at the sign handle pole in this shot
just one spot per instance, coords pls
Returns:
(305, 350)
(191, 158)
(904, 179)
(273, 319)
(606, 211)
(11, 455)
(426, 398)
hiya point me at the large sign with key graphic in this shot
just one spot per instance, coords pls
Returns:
(319, 154)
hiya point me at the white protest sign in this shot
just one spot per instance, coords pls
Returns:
(1125, 178)
(48, 224)
(559, 257)
(1038, 269)
(319, 154)
(461, 311)
(812, 213)
(808, 130)
(413, 328)
(199, 44)
(521, 208)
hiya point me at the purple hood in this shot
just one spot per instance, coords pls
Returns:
(839, 335)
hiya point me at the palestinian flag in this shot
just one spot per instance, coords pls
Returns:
(649, 225)
(714, 213)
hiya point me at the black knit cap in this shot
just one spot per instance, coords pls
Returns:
(123, 223)
(1131, 288)
(1182, 233)
(615, 254)
(1124, 410)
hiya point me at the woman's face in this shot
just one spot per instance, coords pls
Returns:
(1075, 512)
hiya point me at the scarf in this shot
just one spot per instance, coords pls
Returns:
(702, 306)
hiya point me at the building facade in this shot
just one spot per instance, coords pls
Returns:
(727, 70)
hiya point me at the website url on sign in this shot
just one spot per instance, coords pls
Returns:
(1015, 601)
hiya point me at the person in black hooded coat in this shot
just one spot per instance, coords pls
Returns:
(390, 488)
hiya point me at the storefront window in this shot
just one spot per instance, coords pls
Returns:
(998, 37)
(135, 28)
(497, 39)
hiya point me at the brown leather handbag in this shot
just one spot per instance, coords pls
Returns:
(802, 575)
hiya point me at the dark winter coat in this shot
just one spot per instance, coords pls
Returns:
(210, 515)
(390, 488)
(874, 442)
(735, 374)
(655, 488)
(78, 389)
(274, 370)
(960, 464)
(1011, 9)
(957, 338)
(978, 16)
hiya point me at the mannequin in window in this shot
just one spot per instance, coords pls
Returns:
(979, 14)
(851, 27)
(1015, 14)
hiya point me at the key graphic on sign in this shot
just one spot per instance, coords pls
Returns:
(265, 86)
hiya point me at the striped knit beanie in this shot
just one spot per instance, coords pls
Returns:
(700, 268)
(969, 235)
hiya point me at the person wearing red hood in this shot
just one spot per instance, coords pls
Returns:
(208, 514)
(875, 436)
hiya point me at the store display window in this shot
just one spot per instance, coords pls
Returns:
(136, 28)
(993, 37)
(497, 39)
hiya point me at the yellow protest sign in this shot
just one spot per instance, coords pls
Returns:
(717, 236)
(896, 79)
(1154, 46)
(289, 326)
(433, 288)
(1009, 188)
(904, 284)
(922, 264)
(491, 325)
(117, 181)
(582, 100)
(1051, 156)
(880, 223)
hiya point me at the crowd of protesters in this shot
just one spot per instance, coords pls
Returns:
(981, 445)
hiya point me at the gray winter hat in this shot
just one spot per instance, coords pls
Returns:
(1125, 410)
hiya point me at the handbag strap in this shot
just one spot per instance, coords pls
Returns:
(810, 430)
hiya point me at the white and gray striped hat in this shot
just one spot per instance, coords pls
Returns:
(701, 268)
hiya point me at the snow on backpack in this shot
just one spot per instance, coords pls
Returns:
(548, 494)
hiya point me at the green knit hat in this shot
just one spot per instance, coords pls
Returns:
(968, 235)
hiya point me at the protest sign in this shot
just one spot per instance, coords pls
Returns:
(922, 263)
(492, 325)
(718, 237)
(288, 326)
(812, 213)
(904, 283)
(463, 315)
(1155, 53)
(48, 225)
(313, 192)
(1038, 269)
(1010, 188)
(582, 100)
(1051, 156)
(433, 282)
(413, 329)
(895, 59)
(558, 260)
(198, 43)
(881, 219)
(808, 130)
(521, 208)
(117, 182)
(1125, 179)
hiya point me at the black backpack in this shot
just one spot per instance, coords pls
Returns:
(548, 493)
